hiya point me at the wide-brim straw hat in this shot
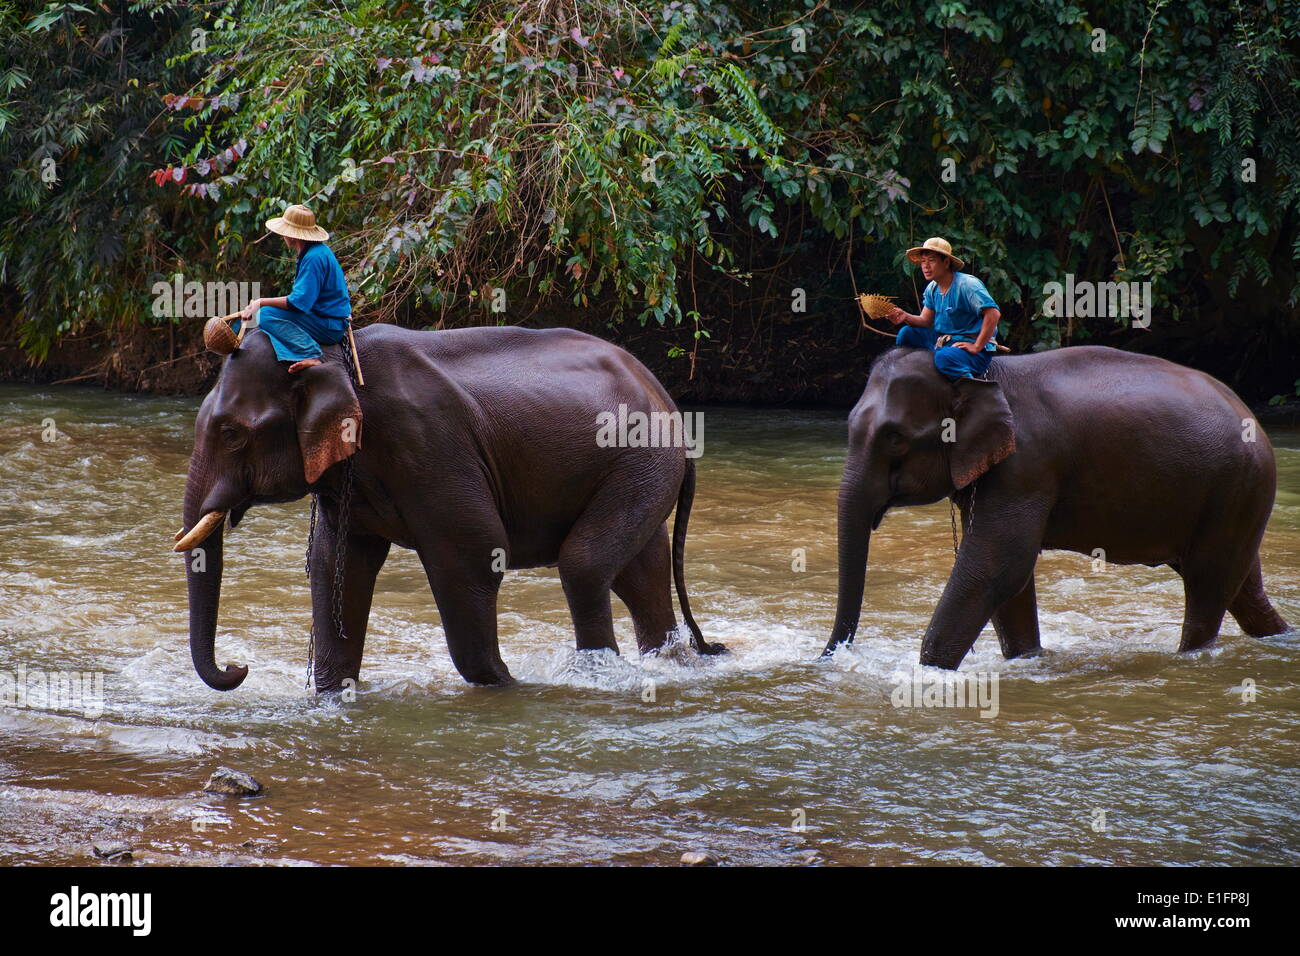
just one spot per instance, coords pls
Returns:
(935, 244)
(298, 222)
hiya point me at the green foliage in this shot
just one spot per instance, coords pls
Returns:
(539, 146)
(78, 219)
(604, 150)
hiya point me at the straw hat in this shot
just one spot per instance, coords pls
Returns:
(935, 244)
(298, 222)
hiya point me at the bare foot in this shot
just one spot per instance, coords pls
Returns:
(305, 363)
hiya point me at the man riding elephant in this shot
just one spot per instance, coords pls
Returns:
(958, 320)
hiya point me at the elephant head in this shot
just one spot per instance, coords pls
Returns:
(914, 438)
(262, 436)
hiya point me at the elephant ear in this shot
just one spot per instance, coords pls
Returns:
(328, 418)
(986, 430)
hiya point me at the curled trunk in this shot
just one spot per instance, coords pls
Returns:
(203, 577)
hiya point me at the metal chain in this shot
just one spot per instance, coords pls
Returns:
(969, 523)
(952, 516)
(311, 633)
(311, 537)
(340, 546)
(341, 532)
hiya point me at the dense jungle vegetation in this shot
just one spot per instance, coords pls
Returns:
(709, 183)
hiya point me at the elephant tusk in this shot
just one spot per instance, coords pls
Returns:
(206, 525)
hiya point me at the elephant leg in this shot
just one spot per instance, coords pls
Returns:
(1251, 606)
(467, 604)
(464, 580)
(463, 548)
(1207, 598)
(994, 566)
(1016, 622)
(645, 586)
(586, 587)
(335, 658)
(615, 527)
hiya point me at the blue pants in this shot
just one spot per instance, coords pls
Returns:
(951, 361)
(298, 335)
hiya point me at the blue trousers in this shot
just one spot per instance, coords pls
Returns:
(298, 335)
(951, 361)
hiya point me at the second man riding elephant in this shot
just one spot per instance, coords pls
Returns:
(958, 319)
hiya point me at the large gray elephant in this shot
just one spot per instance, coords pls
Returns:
(1076, 449)
(480, 453)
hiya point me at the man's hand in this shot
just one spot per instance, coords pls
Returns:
(970, 347)
(898, 316)
(249, 309)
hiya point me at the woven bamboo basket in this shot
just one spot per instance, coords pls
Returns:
(218, 335)
(877, 306)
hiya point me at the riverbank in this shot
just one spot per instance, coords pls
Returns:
(768, 363)
(772, 363)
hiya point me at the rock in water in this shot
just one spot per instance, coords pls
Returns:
(698, 858)
(233, 783)
(113, 852)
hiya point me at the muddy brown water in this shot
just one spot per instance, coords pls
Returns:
(1108, 748)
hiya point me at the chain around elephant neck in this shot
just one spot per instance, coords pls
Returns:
(970, 517)
(340, 541)
(311, 632)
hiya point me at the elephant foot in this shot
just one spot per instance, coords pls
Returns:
(947, 661)
(335, 684)
(832, 646)
(1023, 655)
(487, 676)
(503, 681)
(712, 649)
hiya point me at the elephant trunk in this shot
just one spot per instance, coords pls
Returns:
(203, 569)
(860, 510)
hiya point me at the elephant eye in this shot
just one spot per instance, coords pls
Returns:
(233, 436)
(892, 441)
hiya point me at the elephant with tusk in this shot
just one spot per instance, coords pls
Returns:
(196, 535)
(480, 454)
(1125, 457)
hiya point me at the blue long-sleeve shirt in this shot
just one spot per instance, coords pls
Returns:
(319, 286)
(961, 311)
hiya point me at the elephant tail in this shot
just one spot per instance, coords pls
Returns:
(685, 498)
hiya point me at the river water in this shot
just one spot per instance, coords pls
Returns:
(1107, 748)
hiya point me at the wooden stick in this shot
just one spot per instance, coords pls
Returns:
(355, 360)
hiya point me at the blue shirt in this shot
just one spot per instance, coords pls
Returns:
(959, 312)
(319, 286)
